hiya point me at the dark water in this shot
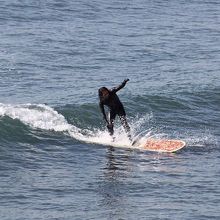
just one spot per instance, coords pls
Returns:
(56, 161)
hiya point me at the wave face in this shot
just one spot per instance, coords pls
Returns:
(42, 117)
(20, 122)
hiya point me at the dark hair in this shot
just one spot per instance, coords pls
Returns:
(101, 96)
(101, 90)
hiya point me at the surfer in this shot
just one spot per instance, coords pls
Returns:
(109, 98)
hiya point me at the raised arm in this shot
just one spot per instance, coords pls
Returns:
(122, 85)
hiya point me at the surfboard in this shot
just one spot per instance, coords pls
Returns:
(162, 145)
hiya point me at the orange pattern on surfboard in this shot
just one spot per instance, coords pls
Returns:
(165, 145)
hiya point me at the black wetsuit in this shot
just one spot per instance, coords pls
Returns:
(116, 108)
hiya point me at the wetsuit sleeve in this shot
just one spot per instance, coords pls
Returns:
(122, 85)
(103, 111)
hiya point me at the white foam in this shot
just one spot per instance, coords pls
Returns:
(44, 117)
(36, 116)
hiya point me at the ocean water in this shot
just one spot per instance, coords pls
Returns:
(57, 160)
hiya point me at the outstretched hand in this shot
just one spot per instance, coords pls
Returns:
(126, 80)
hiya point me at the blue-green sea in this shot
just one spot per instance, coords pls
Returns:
(57, 160)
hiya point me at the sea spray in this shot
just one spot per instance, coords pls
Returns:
(36, 116)
(41, 116)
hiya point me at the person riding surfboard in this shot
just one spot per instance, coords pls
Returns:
(109, 98)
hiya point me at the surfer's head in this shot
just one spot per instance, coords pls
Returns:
(103, 93)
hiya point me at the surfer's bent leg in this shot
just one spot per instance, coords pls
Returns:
(125, 125)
